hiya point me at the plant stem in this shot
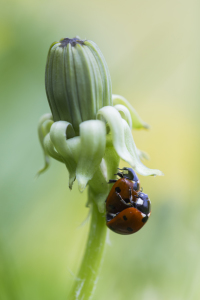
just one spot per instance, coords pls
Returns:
(88, 273)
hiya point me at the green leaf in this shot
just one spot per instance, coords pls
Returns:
(137, 122)
(93, 141)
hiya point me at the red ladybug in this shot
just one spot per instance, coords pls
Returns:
(127, 209)
(123, 192)
(127, 221)
(129, 174)
(121, 196)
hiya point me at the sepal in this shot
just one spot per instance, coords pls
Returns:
(44, 126)
(137, 122)
(93, 142)
(59, 134)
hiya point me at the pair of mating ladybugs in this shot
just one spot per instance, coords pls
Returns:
(127, 207)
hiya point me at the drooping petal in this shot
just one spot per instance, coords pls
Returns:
(137, 165)
(44, 125)
(137, 122)
(114, 120)
(49, 147)
(142, 154)
(125, 114)
(93, 141)
(59, 133)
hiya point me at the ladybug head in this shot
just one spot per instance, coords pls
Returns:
(143, 196)
(128, 173)
(143, 203)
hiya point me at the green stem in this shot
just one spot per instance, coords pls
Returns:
(88, 273)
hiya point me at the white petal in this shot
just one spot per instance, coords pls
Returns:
(92, 143)
(114, 120)
(59, 133)
(49, 147)
(44, 126)
(142, 154)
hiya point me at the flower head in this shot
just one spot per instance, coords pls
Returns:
(89, 129)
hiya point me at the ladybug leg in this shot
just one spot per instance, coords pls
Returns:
(122, 200)
(112, 181)
(119, 174)
(133, 204)
(110, 216)
(131, 197)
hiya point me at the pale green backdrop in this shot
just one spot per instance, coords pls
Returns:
(152, 50)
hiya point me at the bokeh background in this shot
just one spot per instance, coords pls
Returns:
(152, 50)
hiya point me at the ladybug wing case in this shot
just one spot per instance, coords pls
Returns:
(127, 221)
(121, 189)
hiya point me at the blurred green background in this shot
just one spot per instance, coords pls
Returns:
(152, 50)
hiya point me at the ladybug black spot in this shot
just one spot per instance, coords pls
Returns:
(125, 218)
(117, 189)
(129, 229)
(145, 219)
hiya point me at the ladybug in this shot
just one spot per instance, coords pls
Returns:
(123, 191)
(128, 209)
(129, 174)
(132, 218)
(121, 196)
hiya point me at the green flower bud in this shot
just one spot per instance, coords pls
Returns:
(90, 130)
(77, 81)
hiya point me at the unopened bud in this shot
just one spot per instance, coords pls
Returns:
(77, 81)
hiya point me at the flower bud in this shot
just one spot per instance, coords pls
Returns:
(77, 81)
